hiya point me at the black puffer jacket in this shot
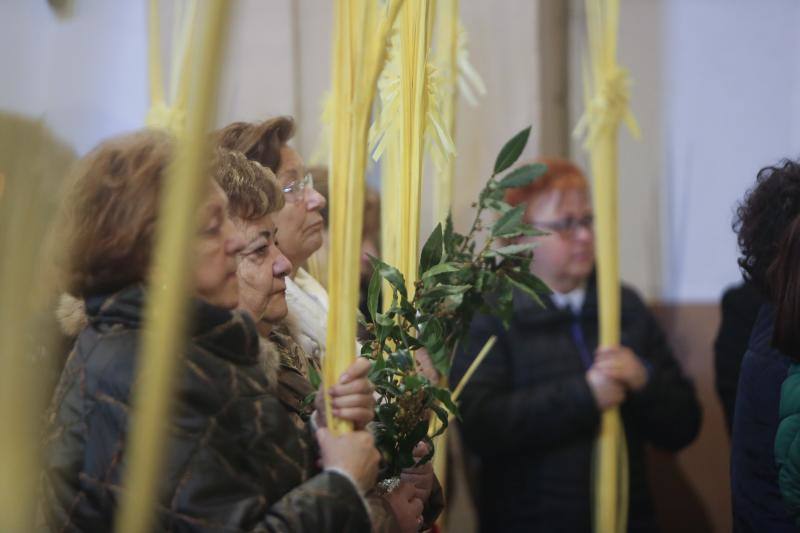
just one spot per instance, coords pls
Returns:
(236, 462)
(529, 414)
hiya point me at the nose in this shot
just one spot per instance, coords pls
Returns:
(281, 267)
(584, 233)
(314, 200)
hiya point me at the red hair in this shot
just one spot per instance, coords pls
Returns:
(561, 175)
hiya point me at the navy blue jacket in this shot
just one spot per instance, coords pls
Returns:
(530, 416)
(757, 503)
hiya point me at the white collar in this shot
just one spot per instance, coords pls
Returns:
(572, 300)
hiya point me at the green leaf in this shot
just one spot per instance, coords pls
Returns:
(414, 382)
(443, 395)
(522, 176)
(511, 151)
(309, 400)
(413, 438)
(443, 417)
(314, 377)
(532, 231)
(386, 413)
(498, 205)
(441, 291)
(432, 250)
(390, 274)
(509, 222)
(431, 332)
(441, 268)
(374, 294)
(440, 359)
(530, 285)
(516, 249)
(402, 360)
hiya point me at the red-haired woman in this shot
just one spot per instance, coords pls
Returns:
(532, 409)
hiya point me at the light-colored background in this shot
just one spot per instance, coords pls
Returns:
(716, 91)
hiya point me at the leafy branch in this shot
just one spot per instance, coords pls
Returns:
(457, 279)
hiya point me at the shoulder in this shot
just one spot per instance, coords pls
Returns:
(631, 300)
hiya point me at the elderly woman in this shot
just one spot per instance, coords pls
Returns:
(254, 196)
(235, 461)
(300, 229)
(532, 410)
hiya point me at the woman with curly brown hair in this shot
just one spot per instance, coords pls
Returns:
(762, 219)
(235, 460)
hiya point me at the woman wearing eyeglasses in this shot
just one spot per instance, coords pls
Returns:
(299, 225)
(532, 409)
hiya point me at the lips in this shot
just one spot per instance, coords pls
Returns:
(280, 290)
(317, 226)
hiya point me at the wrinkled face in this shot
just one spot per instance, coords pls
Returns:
(565, 257)
(300, 221)
(262, 269)
(216, 250)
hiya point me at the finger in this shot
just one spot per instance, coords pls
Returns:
(421, 449)
(359, 369)
(609, 364)
(605, 355)
(356, 415)
(417, 505)
(412, 477)
(357, 386)
(323, 436)
(406, 490)
(353, 400)
(615, 374)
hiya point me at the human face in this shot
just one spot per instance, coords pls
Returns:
(563, 259)
(262, 269)
(216, 250)
(300, 221)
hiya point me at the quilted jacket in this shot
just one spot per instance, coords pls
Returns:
(235, 460)
(530, 416)
(787, 443)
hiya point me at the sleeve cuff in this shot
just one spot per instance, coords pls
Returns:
(358, 490)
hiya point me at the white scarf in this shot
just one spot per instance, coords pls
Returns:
(307, 319)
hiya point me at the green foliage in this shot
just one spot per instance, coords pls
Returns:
(457, 279)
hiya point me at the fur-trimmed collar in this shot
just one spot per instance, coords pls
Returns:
(72, 318)
(71, 315)
(270, 359)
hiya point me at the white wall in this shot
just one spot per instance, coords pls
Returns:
(82, 74)
(732, 77)
(86, 74)
(717, 93)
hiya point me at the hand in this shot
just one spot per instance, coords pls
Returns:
(406, 507)
(621, 364)
(353, 453)
(607, 392)
(425, 366)
(351, 399)
(421, 477)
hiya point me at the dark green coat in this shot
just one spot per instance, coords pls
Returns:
(235, 461)
(787, 443)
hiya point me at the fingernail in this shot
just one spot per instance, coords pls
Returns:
(344, 378)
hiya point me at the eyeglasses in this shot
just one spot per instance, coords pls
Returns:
(567, 227)
(297, 190)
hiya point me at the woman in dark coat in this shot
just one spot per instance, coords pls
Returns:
(532, 410)
(761, 221)
(235, 461)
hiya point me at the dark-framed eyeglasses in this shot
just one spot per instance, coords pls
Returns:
(566, 227)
